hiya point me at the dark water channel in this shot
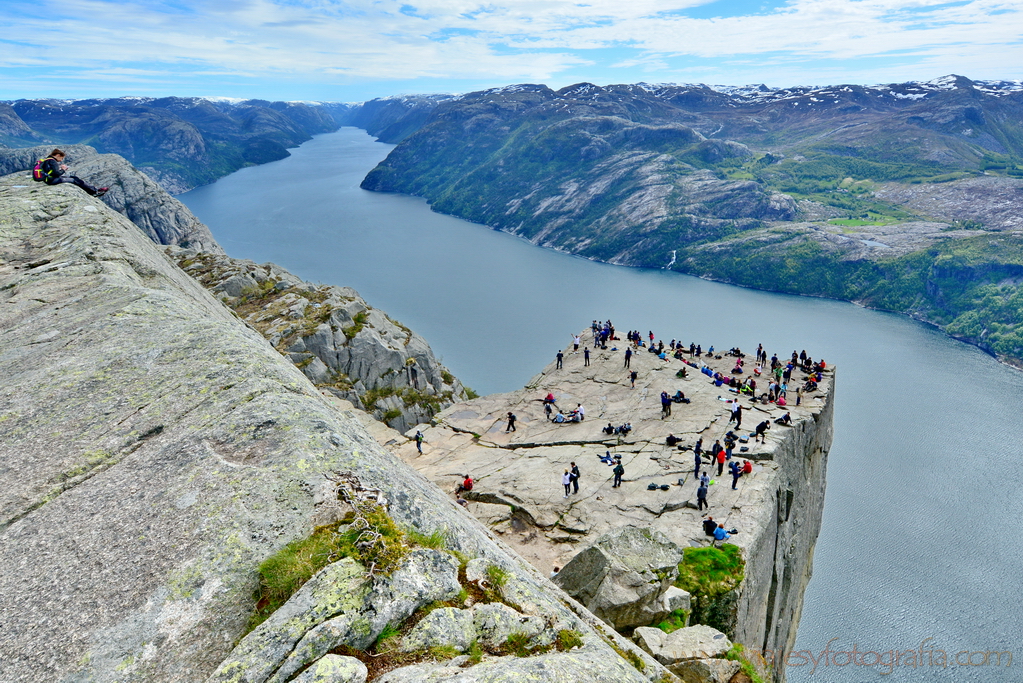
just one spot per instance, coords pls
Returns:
(924, 518)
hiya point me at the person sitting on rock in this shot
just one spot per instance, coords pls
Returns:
(466, 485)
(709, 525)
(672, 440)
(721, 534)
(785, 419)
(609, 429)
(559, 418)
(52, 169)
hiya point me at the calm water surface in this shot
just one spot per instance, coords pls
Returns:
(922, 524)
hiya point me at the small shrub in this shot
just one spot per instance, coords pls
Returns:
(469, 393)
(736, 655)
(674, 622)
(443, 652)
(371, 537)
(475, 653)
(391, 414)
(436, 540)
(447, 377)
(359, 321)
(568, 639)
(636, 661)
(518, 645)
(387, 639)
(496, 576)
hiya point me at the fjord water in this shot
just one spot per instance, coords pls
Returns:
(923, 518)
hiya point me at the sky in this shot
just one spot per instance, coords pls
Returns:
(326, 50)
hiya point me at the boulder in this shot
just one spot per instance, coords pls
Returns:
(496, 622)
(705, 670)
(677, 599)
(334, 669)
(692, 642)
(236, 285)
(445, 627)
(425, 576)
(623, 577)
(574, 666)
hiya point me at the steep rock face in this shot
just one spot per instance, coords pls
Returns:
(156, 450)
(339, 341)
(162, 218)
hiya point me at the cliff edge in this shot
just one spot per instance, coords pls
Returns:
(155, 451)
(132, 193)
(518, 473)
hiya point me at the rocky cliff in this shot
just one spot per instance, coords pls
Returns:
(160, 458)
(162, 218)
(777, 508)
(340, 342)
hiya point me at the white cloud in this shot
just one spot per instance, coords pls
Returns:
(513, 40)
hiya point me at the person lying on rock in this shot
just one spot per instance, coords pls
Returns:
(51, 171)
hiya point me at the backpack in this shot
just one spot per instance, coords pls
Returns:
(38, 174)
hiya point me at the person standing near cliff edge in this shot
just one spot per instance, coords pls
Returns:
(561, 359)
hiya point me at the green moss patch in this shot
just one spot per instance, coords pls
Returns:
(711, 571)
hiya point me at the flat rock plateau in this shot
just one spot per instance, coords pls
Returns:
(518, 491)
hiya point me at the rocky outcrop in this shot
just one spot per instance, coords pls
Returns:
(156, 450)
(162, 218)
(776, 508)
(340, 342)
(624, 577)
(696, 654)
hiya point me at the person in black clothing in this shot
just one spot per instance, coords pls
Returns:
(575, 478)
(53, 170)
(511, 423)
(628, 357)
(709, 525)
(619, 472)
(561, 357)
(701, 497)
(586, 356)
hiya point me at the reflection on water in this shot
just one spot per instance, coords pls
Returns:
(921, 535)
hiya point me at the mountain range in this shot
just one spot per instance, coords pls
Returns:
(901, 197)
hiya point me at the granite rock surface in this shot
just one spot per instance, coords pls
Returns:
(155, 450)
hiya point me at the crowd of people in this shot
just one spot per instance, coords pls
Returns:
(775, 378)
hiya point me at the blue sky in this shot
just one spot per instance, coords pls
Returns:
(349, 51)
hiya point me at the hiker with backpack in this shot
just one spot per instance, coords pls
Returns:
(52, 169)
